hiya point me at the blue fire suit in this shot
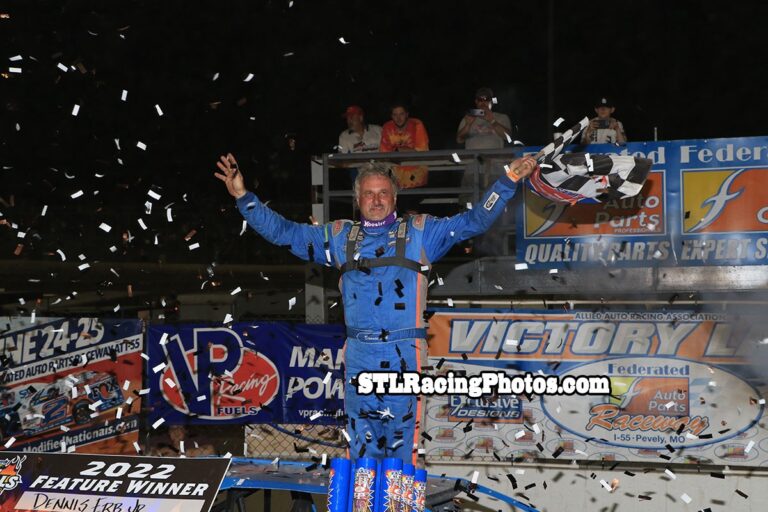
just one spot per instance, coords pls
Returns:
(384, 290)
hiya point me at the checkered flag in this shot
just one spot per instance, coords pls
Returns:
(584, 177)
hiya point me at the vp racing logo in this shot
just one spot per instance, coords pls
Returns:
(716, 203)
(10, 470)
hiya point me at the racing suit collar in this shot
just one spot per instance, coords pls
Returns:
(377, 226)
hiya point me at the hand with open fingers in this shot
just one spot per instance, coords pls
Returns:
(231, 176)
(520, 168)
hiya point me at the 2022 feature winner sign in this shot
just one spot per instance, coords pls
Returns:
(68, 384)
(266, 372)
(98, 483)
(681, 386)
(702, 205)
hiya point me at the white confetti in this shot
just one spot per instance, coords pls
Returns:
(341, 40)
(558, 122)
(136, 446)
(61, 254)
(201, 398)
(346, 436)
(159, 368)
(519, 434)
(670, 474)
(10, 442)
(553, 271)
(169, 215)
(164, 338)
(327, 378)
(14, 70)
(159, 110)
(119, 413)
(291, 303)
(657, 254)
(215, 76)
(154, 195)
(456, 158)
(475, 476)
(148, 208)
(124, 95)
(170, 382)
(536, 428)
(749, 447)
(228, 319)
(669, 404)
(126, 385)
(248, 78)
(83, 267)
(77, 194)
(450, 302)
(64, 428)
(158, 423)
(521, 266)
(116, 308)
(440, 281)
(45, 210)
(242, 229)
(75, 109)
(761, 401)
(145, 356)
(62, 67)
(194, 246)
(690, 436)
(105, 227)
(235, 291)
(315, 415)
(685, 498)
(606, 485)
(141, 224)
(141, 146)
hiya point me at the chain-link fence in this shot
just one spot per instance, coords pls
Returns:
(295, 442)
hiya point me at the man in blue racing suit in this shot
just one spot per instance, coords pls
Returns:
(384, 262)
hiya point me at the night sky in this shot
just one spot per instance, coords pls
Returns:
(692, 70)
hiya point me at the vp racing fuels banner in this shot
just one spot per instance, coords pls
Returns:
(99, 483)
(70, 384)
(264, 372)
(681, 388)
(702, 204)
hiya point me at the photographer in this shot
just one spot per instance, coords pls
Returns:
(481, 128)
(604, 129)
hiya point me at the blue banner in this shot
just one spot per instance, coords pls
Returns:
(703, 204)
(263, 372)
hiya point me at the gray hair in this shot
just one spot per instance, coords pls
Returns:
(375, 169)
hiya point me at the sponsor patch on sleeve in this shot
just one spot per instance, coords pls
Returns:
(491, 201)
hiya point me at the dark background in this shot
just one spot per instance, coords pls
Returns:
(694, 70)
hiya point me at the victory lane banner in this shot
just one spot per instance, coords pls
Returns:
(263, 372)
(702, 204)
(103, 483)
(70, 384)
(685, 387)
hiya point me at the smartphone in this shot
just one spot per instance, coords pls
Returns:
(603, 123)
(477, 112)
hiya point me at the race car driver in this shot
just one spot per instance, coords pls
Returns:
(384, 262)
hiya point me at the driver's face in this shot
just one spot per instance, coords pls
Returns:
(376, 197)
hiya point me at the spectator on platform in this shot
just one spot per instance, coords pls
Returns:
(359, 135)
(405, 133)
(604, 129)
(481, 128)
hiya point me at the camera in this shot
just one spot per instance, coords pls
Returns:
(603, 123)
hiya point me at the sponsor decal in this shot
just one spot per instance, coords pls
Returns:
(10, 473)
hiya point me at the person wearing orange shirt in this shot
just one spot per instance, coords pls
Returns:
(405, 133)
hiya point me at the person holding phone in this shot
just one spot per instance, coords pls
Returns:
(604, 129)
(481, 128)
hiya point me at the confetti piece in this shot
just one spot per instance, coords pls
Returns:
(553, 271)
(521, 266)
(228, 319)
(606, 485)
(83, 267)
(158, 423)
(456, 158)
(10, 442)
(141, 146)
(248, 78)
(141, 224)
(749, 447)
(341, 40)
(558, 122)
(215, 77)
(105, 227)
(64, 428)
(291, 303)
(235, 291)
(670, 474)
(77, 194)
(75, 109)
(669, 404)
(136, 447)
(154, 195)
(201, 398)
(536, 428)
(163, 339)
(242, 229)
(14, 70)
(450, 302)
(346, 436)
(475, 476)
(124, 95)
(126, 385)
(315, 416)
(45, 210)
(61, 254)
(761, 401)
(685, 498)
(159, 368)
(116, 308)
(194, 246)
(159, 110)
(62, 67)
(170, 382)
(519, 434)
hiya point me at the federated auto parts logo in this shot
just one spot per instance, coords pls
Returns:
(10, 470)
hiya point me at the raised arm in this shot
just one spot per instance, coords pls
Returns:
(440, 234)
(306, 241)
